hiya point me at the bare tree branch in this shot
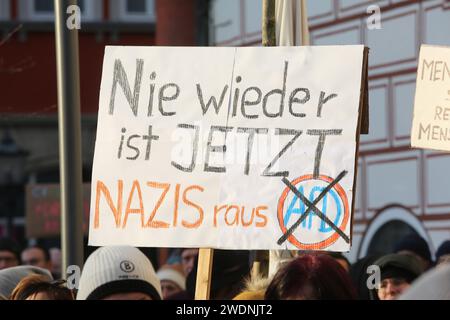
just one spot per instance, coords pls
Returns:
(21, 65)
(10, 34)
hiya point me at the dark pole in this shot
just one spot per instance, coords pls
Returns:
(202, 22)
(268, 24)
(268, 34)
(69, 123)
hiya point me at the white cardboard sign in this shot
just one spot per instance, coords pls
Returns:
(431, 123)
(226, 147)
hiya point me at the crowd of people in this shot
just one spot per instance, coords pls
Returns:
(126, 273)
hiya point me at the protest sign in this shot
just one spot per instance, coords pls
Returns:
(232, 148)
(431, 122)
(43, 209)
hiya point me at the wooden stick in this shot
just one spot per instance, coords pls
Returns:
(304, 22)
(204, 274)
(261, 265)
(268, 23)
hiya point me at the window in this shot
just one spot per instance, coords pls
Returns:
(4, 9)
(137, 10)
(136, 6)
(43, 10)
(384, 239)
(43, 6)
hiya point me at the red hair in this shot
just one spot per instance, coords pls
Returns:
(311, 277)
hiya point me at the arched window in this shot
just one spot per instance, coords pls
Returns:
(390, 224)
(387, 236)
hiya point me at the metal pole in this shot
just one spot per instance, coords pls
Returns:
(69, 122)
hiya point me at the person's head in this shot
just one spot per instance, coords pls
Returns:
(37, 256)
(118, 273)
(250, 295)
(254, 288)
(359, 275)
(41, 287)
(311, 277)
(443, 253)
(417, 247)
(229, 270)
(9, 253)
(397, 272)
(10, 277)
(172, 279)
(188, 256)
(341, 259)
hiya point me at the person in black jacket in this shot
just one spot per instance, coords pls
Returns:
(397, 272)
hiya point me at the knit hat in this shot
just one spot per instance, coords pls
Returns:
(443, 250)
(10, 277)
(174, 273)
(416, 244)
(117, 269)
(391, 272)
(397, 265)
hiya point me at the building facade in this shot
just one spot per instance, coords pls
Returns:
(28, 94)
(399, 190)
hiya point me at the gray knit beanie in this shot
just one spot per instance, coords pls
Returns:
(10, 277)
(117, 269)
